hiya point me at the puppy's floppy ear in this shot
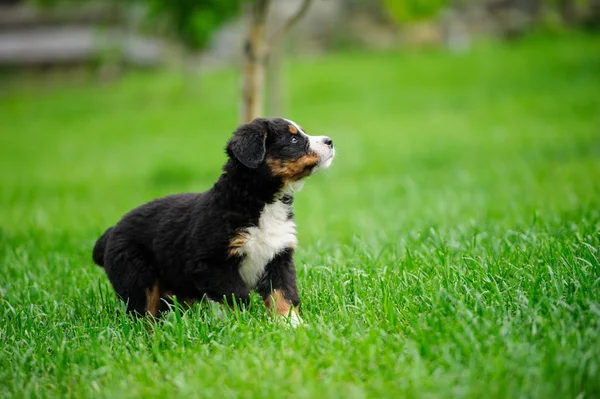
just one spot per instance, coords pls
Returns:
(248, 143)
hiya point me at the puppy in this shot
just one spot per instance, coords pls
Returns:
(236, 237)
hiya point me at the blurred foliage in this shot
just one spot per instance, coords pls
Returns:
(49, 3)
(409, 10)
(571, 12)
(192, 21)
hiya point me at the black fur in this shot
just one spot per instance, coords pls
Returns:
(249, 144)
(280, 273)
(182, 241)
(98, 252)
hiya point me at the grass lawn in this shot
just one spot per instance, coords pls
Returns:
(452, 250)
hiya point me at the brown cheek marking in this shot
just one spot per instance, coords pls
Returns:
(277, 302)
(291, 170)
(236, 244)
(153, 299)
(293, 129)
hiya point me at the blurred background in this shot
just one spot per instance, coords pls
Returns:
(153, 33)
(107, 104)
(451, 250)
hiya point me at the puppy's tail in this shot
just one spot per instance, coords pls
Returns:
(99, 248)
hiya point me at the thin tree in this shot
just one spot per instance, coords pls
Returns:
(192, 22)
(257, 50)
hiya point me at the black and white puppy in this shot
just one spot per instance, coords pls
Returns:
(221, 244)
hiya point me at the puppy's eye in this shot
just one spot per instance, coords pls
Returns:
(293, 140)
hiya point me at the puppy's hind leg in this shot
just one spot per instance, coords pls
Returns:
(153, 297)
(133, 278)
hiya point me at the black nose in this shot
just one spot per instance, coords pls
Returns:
(328, 141)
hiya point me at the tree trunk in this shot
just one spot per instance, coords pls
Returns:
(568, 11)
(593, 17)
(255, 62)
(256, 56)
(276, 107)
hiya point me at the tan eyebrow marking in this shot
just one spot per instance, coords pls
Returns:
(293, 129)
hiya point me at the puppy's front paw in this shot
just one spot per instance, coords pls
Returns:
(292, 319)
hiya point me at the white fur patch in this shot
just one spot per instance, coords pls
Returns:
(273, 234)
(325, 152)
(294, 319)
(294, 187)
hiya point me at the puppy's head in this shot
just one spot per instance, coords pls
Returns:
(281, 146)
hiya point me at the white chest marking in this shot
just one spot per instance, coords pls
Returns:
(274, 233)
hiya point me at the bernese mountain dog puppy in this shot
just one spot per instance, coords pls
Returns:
(236, 237)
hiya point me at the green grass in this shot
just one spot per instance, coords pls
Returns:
(452, 250)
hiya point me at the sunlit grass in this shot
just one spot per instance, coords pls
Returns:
(452, 250)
